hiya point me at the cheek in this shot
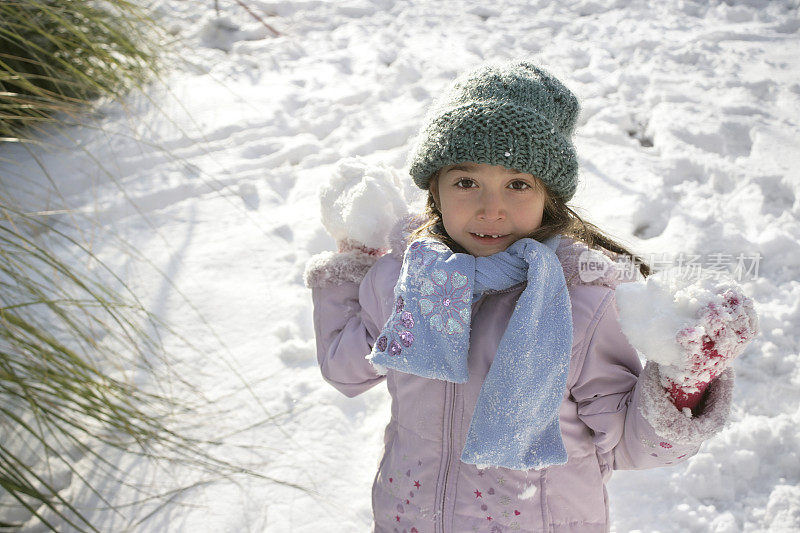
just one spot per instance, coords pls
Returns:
(451, 220)
(533, 215)
(539, 213)
(453, 209)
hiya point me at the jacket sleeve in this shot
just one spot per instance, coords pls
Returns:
(633, 422)
(350, 308)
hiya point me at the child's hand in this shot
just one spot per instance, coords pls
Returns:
(347, 245)
(693, 328)
(360, 204)
(720, 334)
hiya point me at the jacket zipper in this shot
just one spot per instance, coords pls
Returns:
(452, 387)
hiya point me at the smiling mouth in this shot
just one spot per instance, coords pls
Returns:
(487, 237)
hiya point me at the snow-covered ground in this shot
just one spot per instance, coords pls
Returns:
(688, 143)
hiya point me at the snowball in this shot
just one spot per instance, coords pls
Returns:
(783, 508)
(362, 202)
(651, 312)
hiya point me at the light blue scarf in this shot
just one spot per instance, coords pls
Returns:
(515, 422)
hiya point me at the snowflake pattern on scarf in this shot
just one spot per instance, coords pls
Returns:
(447, 301)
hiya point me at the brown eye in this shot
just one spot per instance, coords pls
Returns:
(464, 183)
(520, 185)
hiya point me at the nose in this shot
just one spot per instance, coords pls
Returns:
(491, 207)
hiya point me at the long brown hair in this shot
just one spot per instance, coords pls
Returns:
(558, 219)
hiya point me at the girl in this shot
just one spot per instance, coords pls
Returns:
(515, 392)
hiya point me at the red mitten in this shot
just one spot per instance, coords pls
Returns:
(720, 335)
(348, 245)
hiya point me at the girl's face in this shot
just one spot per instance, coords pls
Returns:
(477, 199)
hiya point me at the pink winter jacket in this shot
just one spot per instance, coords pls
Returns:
(614, 414)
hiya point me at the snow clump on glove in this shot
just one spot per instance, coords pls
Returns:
(360, 204)
(692, 328)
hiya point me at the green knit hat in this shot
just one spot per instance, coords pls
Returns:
(512, 114)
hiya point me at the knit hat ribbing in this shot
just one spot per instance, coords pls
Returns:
(512, 114)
